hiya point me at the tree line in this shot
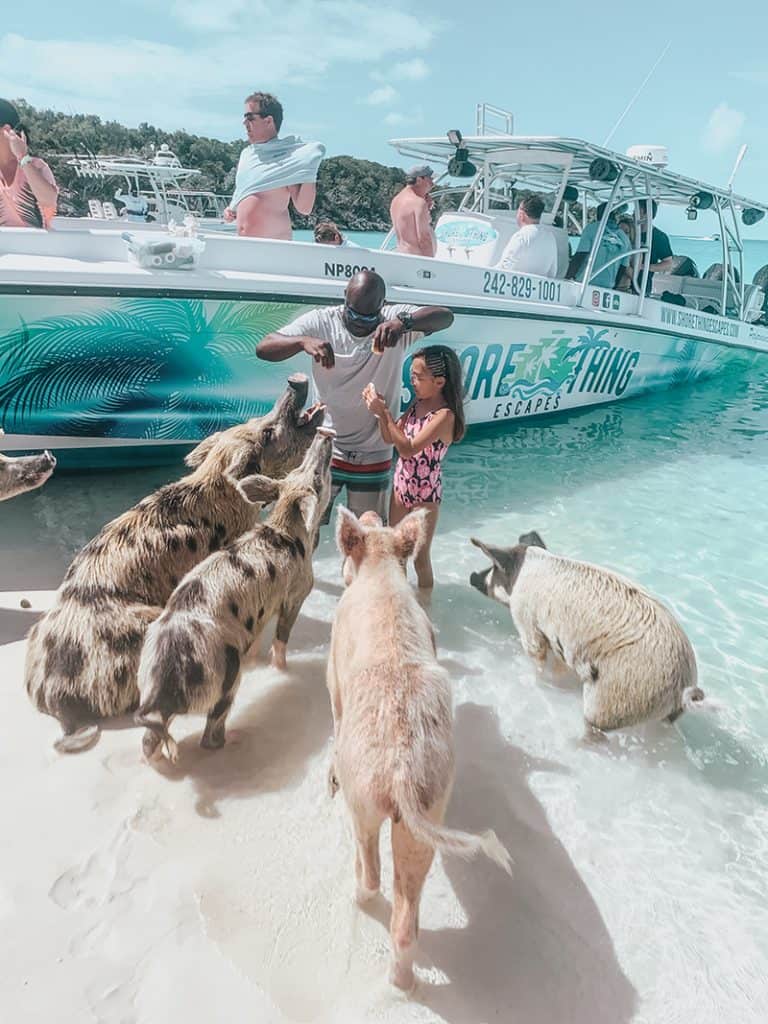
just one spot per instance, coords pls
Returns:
(354, 193)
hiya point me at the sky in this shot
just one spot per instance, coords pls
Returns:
(355, 73)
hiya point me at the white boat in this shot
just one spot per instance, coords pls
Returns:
(105, 361)
(157, 191)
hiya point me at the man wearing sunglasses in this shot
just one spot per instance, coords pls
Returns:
(362, 342)
(272, 172)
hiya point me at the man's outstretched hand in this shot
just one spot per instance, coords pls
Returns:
(321, 352)
(387, 335)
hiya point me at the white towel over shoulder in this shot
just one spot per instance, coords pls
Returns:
(275, 164)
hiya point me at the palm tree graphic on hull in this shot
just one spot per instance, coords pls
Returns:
(165, 369)
(546, 366)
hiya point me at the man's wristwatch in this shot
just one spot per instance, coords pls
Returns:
(406, 320)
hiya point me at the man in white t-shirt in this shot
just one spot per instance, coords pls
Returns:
(532, 249)
(359, 343)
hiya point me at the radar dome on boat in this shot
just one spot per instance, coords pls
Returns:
(656, 156)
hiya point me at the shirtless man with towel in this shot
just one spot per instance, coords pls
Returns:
(271, 173)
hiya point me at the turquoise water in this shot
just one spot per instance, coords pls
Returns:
(642, 868)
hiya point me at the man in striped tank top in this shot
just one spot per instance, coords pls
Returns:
(362, 342)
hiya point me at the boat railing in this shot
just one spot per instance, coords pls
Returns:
(486, 114)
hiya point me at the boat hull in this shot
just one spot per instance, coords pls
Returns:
(110, 380)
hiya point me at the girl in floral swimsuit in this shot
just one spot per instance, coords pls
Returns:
(422, 436)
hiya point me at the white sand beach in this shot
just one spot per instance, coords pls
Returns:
(221, 889)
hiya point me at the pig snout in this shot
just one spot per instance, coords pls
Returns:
(298, 384)
(477, 580)
(24, 473)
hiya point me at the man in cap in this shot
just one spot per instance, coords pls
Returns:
(410, 213)
(28, 191)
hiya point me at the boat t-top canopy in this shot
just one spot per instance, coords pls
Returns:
(574, 177)
(543, 162)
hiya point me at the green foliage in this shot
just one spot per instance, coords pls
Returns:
(354, 193)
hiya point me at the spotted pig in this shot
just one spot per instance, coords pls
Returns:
(193, 654)
(83, 655)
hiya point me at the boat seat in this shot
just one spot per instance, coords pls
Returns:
(95, 209)
(754, 302)
(475, 238)
(698, 293)
(110, 213)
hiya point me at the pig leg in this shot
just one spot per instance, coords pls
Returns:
(367, 862)
(535, 645)
(334, 694)
(76, 718)
(156, 733)
(215, 727)
(412, 861)
(285, 620)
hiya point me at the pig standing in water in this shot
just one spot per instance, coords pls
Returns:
(193, 654)
(393, 745)
(83, 655)
(627, 648)
(24, 473)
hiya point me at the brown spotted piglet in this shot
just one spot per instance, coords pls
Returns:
(193, 654)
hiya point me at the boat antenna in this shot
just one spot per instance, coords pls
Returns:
(736, 166)
(631, 103)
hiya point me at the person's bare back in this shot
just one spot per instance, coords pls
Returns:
(409, 211)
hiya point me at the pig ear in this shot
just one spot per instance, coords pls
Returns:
(531, 540)
(307, 506)
(349, 533)
(410, 533)
(496, 555)
(257, 489)
(198, 455)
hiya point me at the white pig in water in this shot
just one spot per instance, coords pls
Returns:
(628, 649)
(393, 749)
(24, 473)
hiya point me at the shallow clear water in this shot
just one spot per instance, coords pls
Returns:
(641, 880)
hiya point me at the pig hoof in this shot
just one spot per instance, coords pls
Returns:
(363, 895)
(593, 735)
(402, 977)
(171, 750)
(213, 740)
(278, 655)
(150, 742)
